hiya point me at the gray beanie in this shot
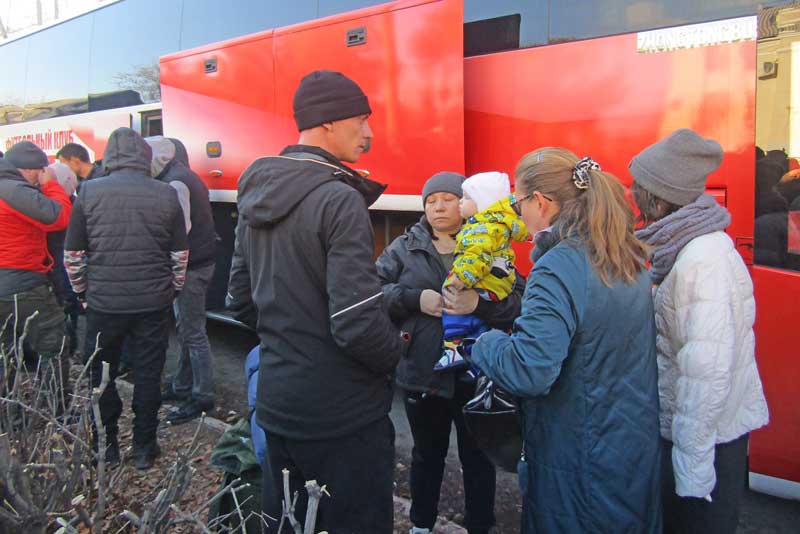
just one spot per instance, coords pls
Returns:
(675, 169)
(443, 182)
(26, 155)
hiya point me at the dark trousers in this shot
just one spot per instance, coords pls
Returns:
(430, 419)
(688, 515)
(66, 298)
(148, 335)
(45, 338)
(357, 470)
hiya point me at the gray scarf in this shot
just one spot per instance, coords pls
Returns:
(669, 235)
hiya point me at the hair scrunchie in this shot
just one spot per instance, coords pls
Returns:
(580, 174)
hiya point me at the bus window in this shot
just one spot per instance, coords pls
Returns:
(152, 123)
(334, 7)
(229, 21)
(116, 63)
(580, 19)
(13, 58)
(544, 22)
(495, 20)
(777, 175)
(58, 69)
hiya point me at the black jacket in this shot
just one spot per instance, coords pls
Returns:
(129, 231)
(328, 348)
(409, 265)
(202, 238)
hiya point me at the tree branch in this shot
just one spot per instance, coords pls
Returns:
(97, 392)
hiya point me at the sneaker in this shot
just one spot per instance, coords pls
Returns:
(451, 359)
(145, 457)
(168, 393)
(417, 530)
(188, 411)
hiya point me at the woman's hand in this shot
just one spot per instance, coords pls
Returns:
(431, 303)
(460, 301)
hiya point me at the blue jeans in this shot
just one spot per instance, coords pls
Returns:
(195, 372)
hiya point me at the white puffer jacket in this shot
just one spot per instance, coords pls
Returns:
(708, 382)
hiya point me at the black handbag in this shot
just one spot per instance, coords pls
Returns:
(492, 417)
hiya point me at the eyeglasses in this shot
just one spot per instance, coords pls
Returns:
(516, 206)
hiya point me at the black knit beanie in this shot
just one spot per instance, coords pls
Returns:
(327, 96)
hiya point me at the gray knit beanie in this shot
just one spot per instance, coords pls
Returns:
(675, 169)
(443, 182)
(26, 155)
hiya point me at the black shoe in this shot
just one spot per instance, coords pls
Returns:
(123, 370)
(145, 457)
(169, 394)
(112, 454)
(189, 410)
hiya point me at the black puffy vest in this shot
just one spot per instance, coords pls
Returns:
(129, 224)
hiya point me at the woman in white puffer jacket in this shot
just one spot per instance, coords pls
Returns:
(709, 388)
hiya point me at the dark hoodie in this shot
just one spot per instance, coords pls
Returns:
(328, 349)
(173, 166)
(126, 245)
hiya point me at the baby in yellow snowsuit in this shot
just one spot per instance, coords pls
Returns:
(484, 259)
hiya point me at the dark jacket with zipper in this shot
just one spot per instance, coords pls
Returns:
(328, 349)
(409, 265)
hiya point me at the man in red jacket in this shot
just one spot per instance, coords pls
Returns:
(32, 203)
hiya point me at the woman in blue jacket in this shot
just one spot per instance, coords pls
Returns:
(581, 358)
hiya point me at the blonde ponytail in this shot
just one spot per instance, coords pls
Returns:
(593, 208)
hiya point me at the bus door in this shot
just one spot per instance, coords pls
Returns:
(775, 450)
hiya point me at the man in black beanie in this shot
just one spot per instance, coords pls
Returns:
(304, 248)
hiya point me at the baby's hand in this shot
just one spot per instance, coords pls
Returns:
(455, 282)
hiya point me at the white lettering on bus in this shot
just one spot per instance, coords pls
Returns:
(696, 35)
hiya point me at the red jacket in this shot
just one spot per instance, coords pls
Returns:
(27, 213)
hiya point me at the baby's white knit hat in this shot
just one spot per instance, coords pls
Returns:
(486, 188)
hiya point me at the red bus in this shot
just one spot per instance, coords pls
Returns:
(471, 86)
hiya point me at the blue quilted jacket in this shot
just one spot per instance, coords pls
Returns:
(582, 361)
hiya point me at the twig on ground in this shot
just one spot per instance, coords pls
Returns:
(289, 506)
(315, 494)
(100, 508)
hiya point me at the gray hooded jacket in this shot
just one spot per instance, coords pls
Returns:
(126, 245)
(170, 165)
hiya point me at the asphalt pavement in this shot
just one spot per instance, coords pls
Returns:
(761, 514)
